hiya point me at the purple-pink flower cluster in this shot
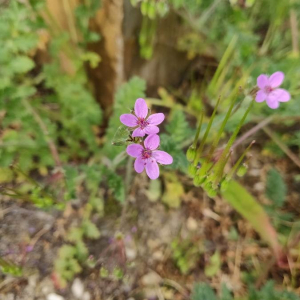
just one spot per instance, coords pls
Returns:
(146, 153)
(269, 90)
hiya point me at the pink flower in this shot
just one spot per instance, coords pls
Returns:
(147, 156)
(269, 91)
(144, 125)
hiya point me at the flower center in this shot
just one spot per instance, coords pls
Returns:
(268, 89)
(142, 123)
(146, 153)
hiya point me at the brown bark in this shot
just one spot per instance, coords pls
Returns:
(108, 23)
(107, 76)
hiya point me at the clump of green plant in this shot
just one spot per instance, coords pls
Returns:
(42, 110)
(203, 291)
(185, 254)
(74, 256)
(7, 267)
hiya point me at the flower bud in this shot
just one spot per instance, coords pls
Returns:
(211, 192)
(191, 153)
(224, 184)
(242, 170)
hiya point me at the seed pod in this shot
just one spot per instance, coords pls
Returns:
(191, 153)
(224, 184)
(242, 170)
(211, 192)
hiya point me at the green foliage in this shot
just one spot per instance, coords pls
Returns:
(185, 254)
(66, 265)
(73, 258)
(173, 191)
(90, 230)
(214, 265)
(180, 161)
(61, 110)
(243, 202)
(179, 132)
(116, 185)
(178, 127)
(268, 292)
(84, 12)
(276, 188)
(202, 291)
(7, 267)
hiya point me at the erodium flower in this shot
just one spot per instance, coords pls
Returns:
(147, 156)
(269, 91)
(143, 125)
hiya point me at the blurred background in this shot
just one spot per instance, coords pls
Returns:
(76, 221)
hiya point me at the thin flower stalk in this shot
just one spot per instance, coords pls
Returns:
(238, 163)
(220, 165)
(200, 149)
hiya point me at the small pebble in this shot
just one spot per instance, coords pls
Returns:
(191, 224)
(151, 279)
(77, 288)
(55, 297)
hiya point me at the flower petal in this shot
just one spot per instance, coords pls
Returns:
(141, 108)
(152, 169)
(151, 129)
(134, 150)
(138, 132)
(152, 141)
(156, 119)
(162, 157)
(260, 96)
(283, 95)
(139, 165)
(262, 81)
(276, 79)
(272, 102)
(129, 120)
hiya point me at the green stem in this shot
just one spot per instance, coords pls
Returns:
(198, 130)
(221, 130)
(237, 164)
(228, 52)
(200, 149)
(220, 165)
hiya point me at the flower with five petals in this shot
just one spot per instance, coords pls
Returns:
(143, 125)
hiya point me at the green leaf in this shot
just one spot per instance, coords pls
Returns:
(214, 265)
(121, 136)
(75, 235)
(21, 64)
(90, 230)
(116, 185)
(243, 202)
(276, 187)
(174, 190)
(178, 127)
(203, 291)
